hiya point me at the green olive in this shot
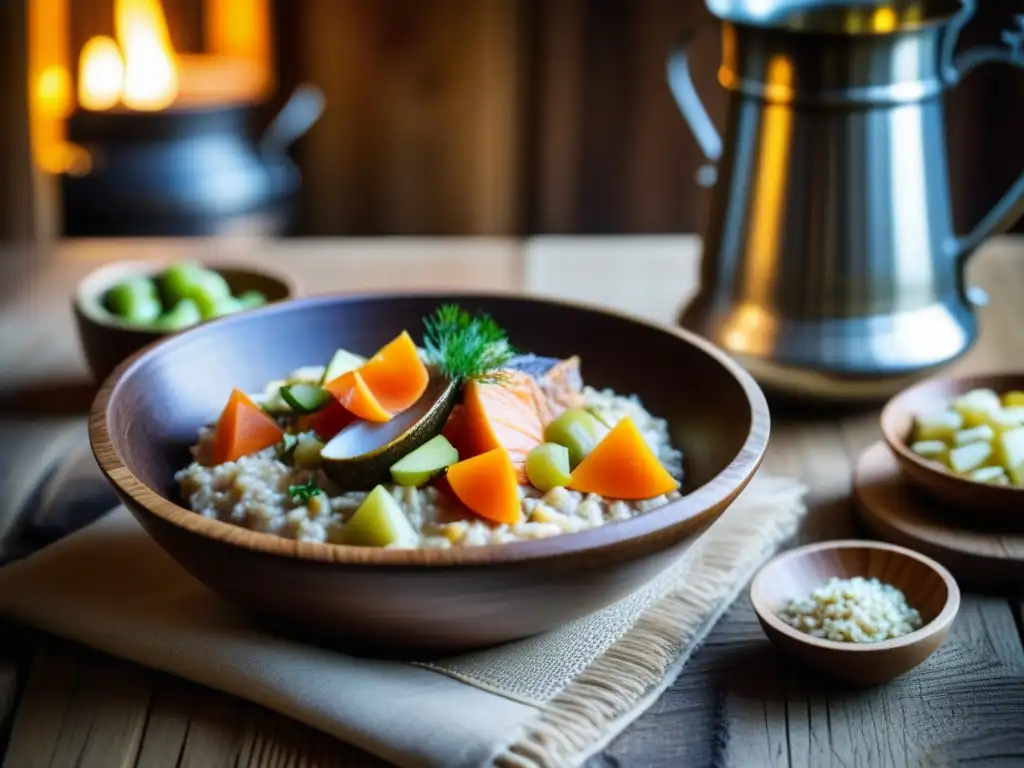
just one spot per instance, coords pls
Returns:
(216, 306)
(184, 314)
(189, 280)
(178, 281)
(251, 299)
(134, 300)
(578, 430)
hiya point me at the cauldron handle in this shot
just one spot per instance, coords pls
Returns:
(297, 116)
(1010, 208)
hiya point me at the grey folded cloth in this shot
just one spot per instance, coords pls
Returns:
(550, 700)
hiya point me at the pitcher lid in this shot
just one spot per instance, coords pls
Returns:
(843, 16)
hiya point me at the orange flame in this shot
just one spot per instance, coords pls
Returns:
(100, 74)
(151, 72)
(140, 70)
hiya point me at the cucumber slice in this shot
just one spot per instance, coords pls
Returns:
(341, 363)
(421, 465)
(305, 398)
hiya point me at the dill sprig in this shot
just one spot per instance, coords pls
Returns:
(303, 493)
(465, 346)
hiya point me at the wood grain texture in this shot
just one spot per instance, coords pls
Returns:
(736, 703)
(612, 153)
(929, 588)
(422, 130)
(895, 510)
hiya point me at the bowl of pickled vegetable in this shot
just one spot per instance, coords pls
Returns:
(962, 441)
(122, 307)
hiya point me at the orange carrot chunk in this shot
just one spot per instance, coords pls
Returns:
(395, 375)
(497, 415)
(351, 391)
(623, 466)
(488, 485)
(243, 429)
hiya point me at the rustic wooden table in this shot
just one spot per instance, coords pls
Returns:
(735, 704)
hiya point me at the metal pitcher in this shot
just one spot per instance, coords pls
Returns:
(830, 265)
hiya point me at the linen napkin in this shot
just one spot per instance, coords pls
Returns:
(550, 700)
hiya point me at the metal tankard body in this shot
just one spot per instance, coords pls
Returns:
(830, 265)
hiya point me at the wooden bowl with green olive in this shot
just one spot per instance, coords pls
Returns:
(373, 596)
(124, 306)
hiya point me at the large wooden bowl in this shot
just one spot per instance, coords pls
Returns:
(147, 413)
(958, 496)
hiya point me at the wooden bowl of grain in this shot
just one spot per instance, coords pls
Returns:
(928, 588)
(430, 600)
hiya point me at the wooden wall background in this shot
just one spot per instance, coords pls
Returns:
(508, 117)
(495, 116)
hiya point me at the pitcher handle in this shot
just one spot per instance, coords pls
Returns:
(1010, 207)
(685, 93)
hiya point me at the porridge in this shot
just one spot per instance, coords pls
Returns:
(524, 450)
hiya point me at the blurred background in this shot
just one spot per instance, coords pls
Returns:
(439, 117)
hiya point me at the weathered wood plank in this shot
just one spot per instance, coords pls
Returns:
(88, 710)
(736, 702)
(170, 706)
(421, 133)
(216, 729)
(112, 697)
(39, 720)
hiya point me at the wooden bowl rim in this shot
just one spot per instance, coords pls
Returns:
(696, 507)
(90, 289)
(903, 401)
(940, 623)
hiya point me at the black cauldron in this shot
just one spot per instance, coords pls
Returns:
(185, 172)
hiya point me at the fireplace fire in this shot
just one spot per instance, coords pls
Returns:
(146, 138)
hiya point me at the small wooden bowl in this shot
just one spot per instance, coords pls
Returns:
(431, 600)
(1001, 504)
(107, 340)
(928, 587)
